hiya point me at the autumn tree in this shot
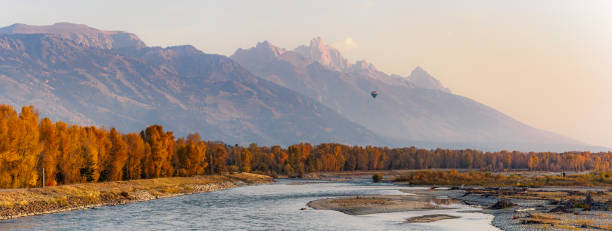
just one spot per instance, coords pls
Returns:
(137, 151)
(216, 154)
(118, 156)
(191, 155)
(48, 157)
(159, 162)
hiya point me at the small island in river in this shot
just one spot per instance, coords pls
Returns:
(363, 205)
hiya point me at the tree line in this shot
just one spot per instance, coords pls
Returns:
(61, 153)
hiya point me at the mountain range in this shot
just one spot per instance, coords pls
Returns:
(415, 109)
(263, 94)
(87, 81)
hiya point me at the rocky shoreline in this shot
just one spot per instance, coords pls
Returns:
(16, 203)
(539, 209)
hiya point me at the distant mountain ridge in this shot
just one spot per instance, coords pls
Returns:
(81, 34)
(416, 109)
(181, 88)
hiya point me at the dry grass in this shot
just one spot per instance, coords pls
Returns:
(545, 217)
(576, 195)
(571, 221)
(453, 177)
(567, 227)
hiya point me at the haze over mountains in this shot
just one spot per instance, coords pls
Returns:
(416, 109)
(263, 94)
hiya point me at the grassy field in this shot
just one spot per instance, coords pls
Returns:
(456, 178)
(32, 201)
(570, 221)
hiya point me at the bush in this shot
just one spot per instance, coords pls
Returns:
(377, 177)
(233, 169)
(502, 204)
(273, 175)
(125, 194)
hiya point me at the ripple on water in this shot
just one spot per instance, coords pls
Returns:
(263, 207)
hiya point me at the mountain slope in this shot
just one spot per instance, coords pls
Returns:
(181, 88)
(414, 110)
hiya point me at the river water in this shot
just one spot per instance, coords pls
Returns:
(262, 207)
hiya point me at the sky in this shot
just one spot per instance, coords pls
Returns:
(547, 63)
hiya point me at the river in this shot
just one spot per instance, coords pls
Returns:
(274, 206)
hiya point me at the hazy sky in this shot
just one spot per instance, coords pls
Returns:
(545, 63)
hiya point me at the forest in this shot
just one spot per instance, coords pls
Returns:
(33, 151)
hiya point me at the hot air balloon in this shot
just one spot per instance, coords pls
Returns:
(374, 94)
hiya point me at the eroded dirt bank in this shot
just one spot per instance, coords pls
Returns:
(34, 201)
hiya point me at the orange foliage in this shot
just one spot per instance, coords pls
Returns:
(73, 154)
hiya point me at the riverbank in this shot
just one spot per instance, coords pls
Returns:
(35, 201)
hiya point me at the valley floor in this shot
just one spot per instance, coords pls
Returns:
(34, 201)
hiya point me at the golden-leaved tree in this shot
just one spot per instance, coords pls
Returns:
(20, 147)
(191, 155)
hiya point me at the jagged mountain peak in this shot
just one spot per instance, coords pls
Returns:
(268, 46)
(82, 34)
(326, 55)
(362, 65)
(418, 70)
(262, 49)
(423, 79)
(318, 42)
(318, 51)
